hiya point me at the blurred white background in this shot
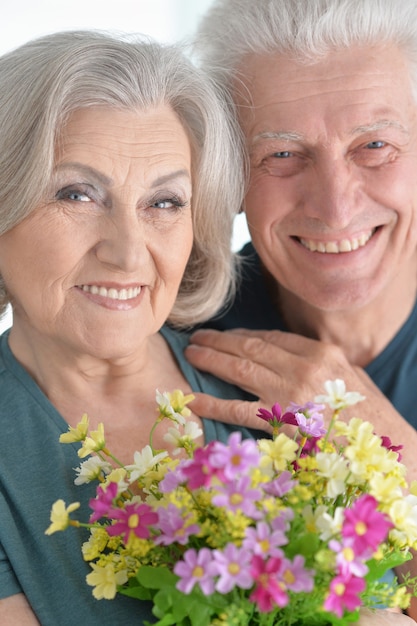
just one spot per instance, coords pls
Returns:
(165, 20)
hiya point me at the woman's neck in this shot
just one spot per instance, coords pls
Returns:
(121, 393)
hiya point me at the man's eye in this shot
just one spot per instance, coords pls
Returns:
(374, 145)
(282, 155)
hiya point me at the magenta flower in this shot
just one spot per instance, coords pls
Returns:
(133, 518)
(344, 593)
(264, 541)
(386, 442)
(268, 592)
(238, 496)
(364, 525)
(232, 565)
(199, 471)
(103, 502)
(196, 568)
(173, 525)
(236, 457)
(275, 416)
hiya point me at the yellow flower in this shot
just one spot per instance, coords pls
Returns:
(79, 433)
(280, 451)
(95, 545)
(179, 402)
(105, 580)
(60, 516)
(94, 443)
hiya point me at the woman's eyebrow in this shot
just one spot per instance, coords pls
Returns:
(161, 180)
(91, 172)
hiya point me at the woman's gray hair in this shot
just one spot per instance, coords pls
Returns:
(304, 30)
(44, 81)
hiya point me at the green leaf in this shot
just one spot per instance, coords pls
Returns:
(156, 577)
(378, 568)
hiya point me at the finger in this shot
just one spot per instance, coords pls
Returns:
(236, 412)
(232, 341)
(243, 372)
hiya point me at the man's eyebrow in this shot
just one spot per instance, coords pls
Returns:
(379, 125)
(283, 135)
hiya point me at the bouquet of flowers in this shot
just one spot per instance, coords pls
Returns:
(287, 530)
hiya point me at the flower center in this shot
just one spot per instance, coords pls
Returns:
(360, 528)
(198, 571)
(348, 554)
(339, 589)
(133, 521)
(236, 498)
(289, 577)
(233, 569)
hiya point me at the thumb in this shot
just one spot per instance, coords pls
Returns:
(238, 412)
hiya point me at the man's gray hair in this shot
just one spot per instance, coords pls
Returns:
(44, 81)
(304, 30)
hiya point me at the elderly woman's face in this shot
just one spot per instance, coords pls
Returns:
(97, 267)
(332, 203)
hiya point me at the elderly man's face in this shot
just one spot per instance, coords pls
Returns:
(97, 267)
(332, 203)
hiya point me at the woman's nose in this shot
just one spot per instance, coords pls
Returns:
(122, 243)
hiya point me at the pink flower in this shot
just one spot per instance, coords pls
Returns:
(364, 525)
(295, 576)
(103, 502)
(268, 592)
(236, 457)
(133, 518)
(199, 470)
(344, 593)
(264, 541)
(196, 568)
(238, 496)
(172, 523)
(232, 564)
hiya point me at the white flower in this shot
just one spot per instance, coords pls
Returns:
(143, 462)
(327, 525)
(333, 467)
(91, 470)
(166, 409)
(174, 437)
(337, 397)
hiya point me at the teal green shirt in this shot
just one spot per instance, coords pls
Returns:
(36, 470)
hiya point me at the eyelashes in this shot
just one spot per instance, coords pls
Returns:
(82, 193)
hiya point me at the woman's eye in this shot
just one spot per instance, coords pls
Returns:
(168, 203)
(285, 154)
(74, 194)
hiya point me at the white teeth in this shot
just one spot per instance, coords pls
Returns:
(113, 294)
(336, 247)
